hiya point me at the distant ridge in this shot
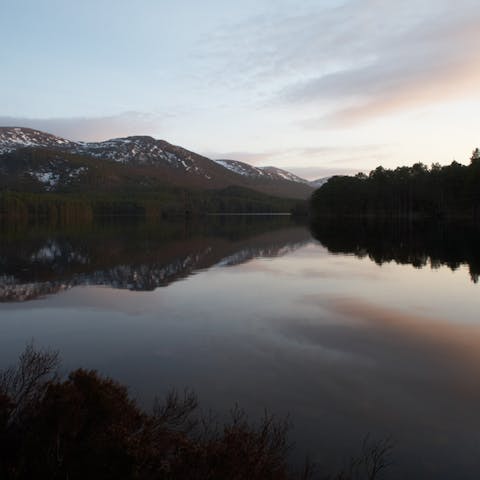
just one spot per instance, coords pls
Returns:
(320, 182)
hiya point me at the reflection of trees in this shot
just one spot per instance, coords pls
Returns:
(418, 244)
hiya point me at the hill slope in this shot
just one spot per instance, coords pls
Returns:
(30, 159)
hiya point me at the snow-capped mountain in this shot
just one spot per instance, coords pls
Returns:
(278, 173)
(136, 150)
(241, 168)
(144, 151)
(51, 163)
(248, 170)
(12, 138)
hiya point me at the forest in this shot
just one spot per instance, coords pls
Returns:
(67, 208)
(418, 191)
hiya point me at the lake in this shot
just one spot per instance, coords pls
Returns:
(350, 328)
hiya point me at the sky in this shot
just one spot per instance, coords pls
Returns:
(318, 87)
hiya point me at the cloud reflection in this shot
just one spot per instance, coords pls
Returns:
(388, 369)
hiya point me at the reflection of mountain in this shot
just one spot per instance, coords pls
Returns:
(136, 257)
(418, 244)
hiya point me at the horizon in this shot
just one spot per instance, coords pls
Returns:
(316, 90)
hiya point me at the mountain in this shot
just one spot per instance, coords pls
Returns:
(319, 182)
(272, 173)
(31, 160)
(12, 138)
(280, 174)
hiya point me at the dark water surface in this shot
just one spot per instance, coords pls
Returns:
(360, 328)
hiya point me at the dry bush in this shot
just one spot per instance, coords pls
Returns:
(87, 426)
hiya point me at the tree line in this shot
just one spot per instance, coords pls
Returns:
(450, 191)
(168, 202)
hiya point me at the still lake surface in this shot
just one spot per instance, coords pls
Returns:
(350, 328)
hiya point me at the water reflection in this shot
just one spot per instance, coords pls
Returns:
(347, 344)
(143, 256)
(135, 255)
(416, 243)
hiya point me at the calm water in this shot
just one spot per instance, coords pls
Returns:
(360, 328)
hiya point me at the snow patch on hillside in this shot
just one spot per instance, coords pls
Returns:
(240, 168)
(48, 178)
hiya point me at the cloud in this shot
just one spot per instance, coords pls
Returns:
(427, 67)
(92, 128)
(315, 173)
(342, 65)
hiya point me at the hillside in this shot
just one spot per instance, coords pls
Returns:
(34, 161)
